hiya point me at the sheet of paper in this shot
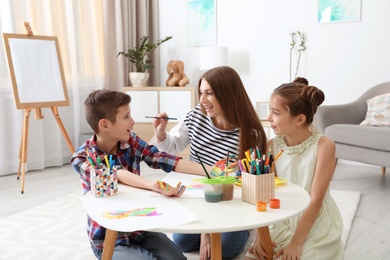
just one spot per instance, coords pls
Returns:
(169, 212)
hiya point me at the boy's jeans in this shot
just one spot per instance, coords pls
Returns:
(154, 246)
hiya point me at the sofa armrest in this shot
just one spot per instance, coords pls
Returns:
(351, 113)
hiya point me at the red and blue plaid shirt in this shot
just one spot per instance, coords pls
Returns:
(129, 156)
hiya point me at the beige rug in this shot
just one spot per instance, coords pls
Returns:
(56, 229)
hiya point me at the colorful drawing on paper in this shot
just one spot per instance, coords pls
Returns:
(140, 212)
(195, 184)
(201, 22)
(339, 10)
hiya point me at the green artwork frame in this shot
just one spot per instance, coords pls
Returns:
(330, 11)
(201, 22)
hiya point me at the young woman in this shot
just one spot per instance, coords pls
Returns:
(308, 160)
(223, 120)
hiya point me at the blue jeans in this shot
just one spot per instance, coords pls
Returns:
(154, 246)
(232, 242)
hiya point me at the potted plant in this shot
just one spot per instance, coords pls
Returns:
(140, 58)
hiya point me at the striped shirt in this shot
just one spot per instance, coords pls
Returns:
(198, 131)
(129, 156)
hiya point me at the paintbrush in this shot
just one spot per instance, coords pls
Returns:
(227, 162)
(204, 168)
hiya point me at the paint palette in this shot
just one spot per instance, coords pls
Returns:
(280, 181)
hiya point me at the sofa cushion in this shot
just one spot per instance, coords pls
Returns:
(366, 136)
(378, 111)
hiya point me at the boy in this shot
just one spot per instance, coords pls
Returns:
(108, 114)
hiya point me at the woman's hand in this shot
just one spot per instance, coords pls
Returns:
(160, 126)
(167, 190)
(205, 246)
(291, 251)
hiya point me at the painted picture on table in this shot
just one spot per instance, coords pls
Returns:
(201, 22)
(339, 11)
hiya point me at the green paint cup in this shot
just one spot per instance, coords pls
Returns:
(212, 189)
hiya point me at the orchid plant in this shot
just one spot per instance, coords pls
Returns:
(300, 39)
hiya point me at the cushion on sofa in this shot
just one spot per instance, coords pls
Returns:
(378, 111)
(366, 136)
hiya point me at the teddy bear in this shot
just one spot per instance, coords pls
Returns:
(176, 74)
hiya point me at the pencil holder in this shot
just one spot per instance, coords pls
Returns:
(257, 187)
(104, 182)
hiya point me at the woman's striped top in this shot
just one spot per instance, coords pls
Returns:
(198, 131)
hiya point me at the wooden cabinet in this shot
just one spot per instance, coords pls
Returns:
(149, 101)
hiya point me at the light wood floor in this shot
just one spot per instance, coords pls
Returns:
(369, 237)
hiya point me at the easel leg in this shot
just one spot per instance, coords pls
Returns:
(24, 139)
(20, 152)
(63, 130)
(266, 242)
(23, 147)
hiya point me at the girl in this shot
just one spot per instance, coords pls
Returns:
(308, 160)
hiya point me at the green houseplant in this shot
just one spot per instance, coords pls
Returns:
(139, 57)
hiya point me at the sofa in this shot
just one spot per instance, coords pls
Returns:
(369, 144)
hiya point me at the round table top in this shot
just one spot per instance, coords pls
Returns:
(237, 215)
(224, 216)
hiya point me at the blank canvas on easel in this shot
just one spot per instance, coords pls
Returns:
(36, 71)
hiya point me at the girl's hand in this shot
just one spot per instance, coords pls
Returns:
(205, 247)
(258, 251)
(291, 251)
(167, 190)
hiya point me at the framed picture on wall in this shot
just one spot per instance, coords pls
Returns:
(262, 110)
(201, 22)
(339, 11)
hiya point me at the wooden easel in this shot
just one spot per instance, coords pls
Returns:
(27, 106)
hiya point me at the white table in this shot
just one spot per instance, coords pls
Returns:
(215, 218)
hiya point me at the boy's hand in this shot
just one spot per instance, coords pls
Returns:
(167, 190)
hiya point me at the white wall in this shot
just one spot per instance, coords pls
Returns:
(343, 59)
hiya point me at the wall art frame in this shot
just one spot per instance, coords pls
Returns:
(201, 22)
(333, 11)
(262, 110)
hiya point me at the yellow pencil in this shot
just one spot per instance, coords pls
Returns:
(108, 164)
(248, 156)
(278, 155)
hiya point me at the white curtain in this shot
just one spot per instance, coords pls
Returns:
(90, 34)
